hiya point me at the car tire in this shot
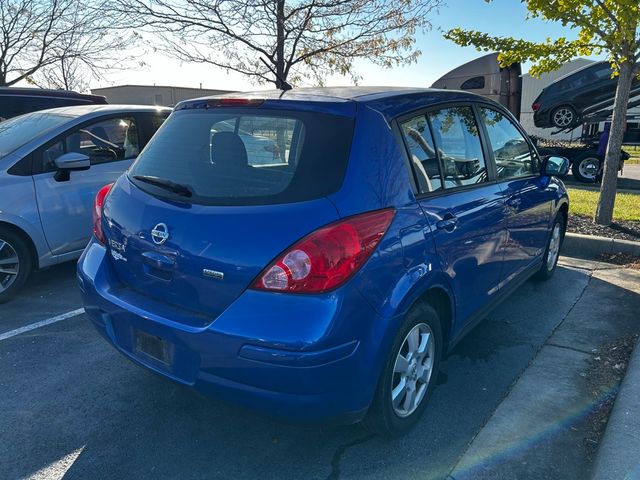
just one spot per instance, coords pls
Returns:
(585, 168)
(552, 252)
(15, 263)
(564, 116)
(417, 371)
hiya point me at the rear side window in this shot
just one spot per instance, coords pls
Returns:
(510, 149)
(422, 153)
(458, 142)
(247, 157)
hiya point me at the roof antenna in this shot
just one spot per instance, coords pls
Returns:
(280, 84)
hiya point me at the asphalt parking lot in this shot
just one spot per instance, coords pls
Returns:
(72, 406)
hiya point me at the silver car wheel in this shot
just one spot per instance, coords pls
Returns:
(554, 247)
(9, 265)
(563, 117)
(588, 167)
(412, 370)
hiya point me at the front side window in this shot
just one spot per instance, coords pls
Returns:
(109, 140)
(458, 142)
(510, 149)
(422, 152)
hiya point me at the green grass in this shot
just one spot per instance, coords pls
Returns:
(583, 202)
(634, 151)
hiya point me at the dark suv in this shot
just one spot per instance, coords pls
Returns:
(16, 101)
(562, 103)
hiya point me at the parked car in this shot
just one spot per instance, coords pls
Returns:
(52, 163)
(562, 103)
(329, 285)
(18, 101)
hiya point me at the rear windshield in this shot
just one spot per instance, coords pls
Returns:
(19, 130)
(246, 157)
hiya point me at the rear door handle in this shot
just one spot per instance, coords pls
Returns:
(448, 223)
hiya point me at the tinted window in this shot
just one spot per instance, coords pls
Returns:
(475, 83)
(510, 149)
(11, 105)
(602, 71)
(16, 132)
(456, 136)
(232, 157)
(109, 140)
(422, 152)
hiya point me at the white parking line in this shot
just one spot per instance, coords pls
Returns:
(42, 323)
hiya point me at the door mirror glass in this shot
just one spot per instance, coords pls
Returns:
(72, 161)
(554, 165)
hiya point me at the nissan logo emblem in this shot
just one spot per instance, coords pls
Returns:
(160, 234)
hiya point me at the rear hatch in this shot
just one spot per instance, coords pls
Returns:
(204, 209)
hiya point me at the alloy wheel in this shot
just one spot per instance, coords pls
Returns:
(554, 247)
(412, 370)
(563, 117)
(9, 265)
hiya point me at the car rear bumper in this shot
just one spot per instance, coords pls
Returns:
(300, 372)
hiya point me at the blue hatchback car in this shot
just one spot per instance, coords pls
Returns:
(330, 281)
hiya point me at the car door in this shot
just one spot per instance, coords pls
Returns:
(529, 202)
(459, 196)
(65, 203)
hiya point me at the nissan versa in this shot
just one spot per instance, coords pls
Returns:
(330, 282)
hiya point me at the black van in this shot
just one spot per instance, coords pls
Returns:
(16, 101)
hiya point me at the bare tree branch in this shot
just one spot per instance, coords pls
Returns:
(299, 39)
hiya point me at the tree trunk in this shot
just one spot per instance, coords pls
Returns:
(604, 211)
(280, 75)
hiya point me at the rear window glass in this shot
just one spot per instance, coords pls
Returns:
(247, 157)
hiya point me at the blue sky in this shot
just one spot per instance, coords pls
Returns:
(500, 17)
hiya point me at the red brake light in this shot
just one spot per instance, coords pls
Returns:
(235, 102)
(97, 212)
(328, 257)
(535, 107)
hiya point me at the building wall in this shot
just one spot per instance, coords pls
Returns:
(152, 95)
(531, 88)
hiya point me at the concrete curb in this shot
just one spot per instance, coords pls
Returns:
(590, 246)
(618, 457)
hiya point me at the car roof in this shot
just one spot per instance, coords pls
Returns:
(79, 110)
(390, 101)
(46, 92)
(578, 70)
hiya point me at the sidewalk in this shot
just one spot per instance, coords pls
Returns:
(539, 429)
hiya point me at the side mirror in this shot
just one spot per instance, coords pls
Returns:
(73, 162)
(554, 165)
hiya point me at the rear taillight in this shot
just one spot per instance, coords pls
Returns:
(328, 257)
(97, 212)
(535, 107)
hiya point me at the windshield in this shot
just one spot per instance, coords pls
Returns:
(248, 157)
(19, 130)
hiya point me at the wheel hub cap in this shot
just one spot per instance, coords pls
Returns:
(412, 370)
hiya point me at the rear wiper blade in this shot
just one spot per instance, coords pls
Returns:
(177, 188)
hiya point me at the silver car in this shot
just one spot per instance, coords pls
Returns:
(52, 163)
